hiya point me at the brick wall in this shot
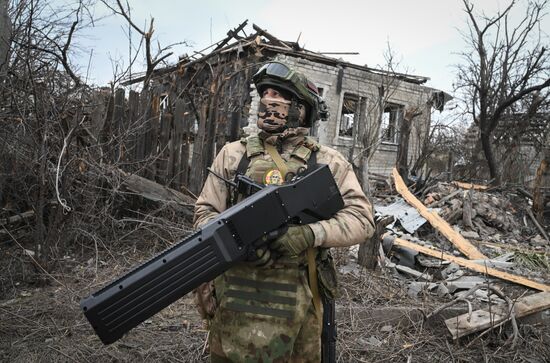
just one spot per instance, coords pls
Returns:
(363, 84)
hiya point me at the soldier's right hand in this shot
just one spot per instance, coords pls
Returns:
(261, 257)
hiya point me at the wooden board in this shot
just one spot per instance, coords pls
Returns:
(436, 221)
(459, 326)
(474, 266)
(470, 186)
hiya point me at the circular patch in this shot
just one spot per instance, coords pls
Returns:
(273, 177)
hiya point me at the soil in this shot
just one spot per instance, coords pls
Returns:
(42, 322)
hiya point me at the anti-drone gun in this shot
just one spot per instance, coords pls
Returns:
(210, 251)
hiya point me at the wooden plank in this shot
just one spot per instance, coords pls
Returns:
(174, 164)
(208, 150)
(470, 185)
(152, 136)
(195, 177)
(164, 147)
(105, 133)
(118, 122)
(474, 266)
(133, 126)
(100, 102)
(437, 222)
(463, 325)
(142, 137)
(271, 38)
(17, 218)
(152, 190)
(189, 117)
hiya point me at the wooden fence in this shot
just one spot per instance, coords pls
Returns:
(171, 132)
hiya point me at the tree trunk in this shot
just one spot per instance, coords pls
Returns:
(538, 195)
(490, 157)
(368, 251)
(450, 167)
(403, 150)
(5, 35)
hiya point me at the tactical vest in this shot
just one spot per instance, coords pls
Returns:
(275, 292)
(256, 167)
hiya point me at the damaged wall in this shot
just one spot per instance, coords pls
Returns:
(338, 83)
(214, 97)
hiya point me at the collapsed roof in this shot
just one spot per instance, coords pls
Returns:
(264, 40)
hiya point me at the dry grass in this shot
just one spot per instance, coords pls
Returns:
(45, 324)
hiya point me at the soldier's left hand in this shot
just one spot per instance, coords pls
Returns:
(296, 240)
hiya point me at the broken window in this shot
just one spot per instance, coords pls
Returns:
(347, 118)
(391, 119)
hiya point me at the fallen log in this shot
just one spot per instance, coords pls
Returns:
(465, 324)
(153, 191)
(474, 266)
(436, 221)
(17, 218)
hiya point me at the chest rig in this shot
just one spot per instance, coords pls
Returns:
(273, 293)
(257, 165)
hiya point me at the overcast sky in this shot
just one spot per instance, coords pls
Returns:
(424, 33)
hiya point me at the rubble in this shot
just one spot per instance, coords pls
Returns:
(477, 241)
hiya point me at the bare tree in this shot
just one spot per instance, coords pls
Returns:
(370, 132)
(5, 34)
(503, 64)
(151, 60)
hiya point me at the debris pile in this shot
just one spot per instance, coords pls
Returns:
(468, 245)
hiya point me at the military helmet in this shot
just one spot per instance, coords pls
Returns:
(278, 75)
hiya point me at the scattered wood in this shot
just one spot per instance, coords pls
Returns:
(436, 221)
(538, 195)
(410, 271)
(467, 210)
(524, 192)
(153, 191)
(271, 38)
(465, 324)
(508, 247)
(537, 224)
(18, 218)
(446, 198)
(470, 185)
(473, 265)
(231, 34)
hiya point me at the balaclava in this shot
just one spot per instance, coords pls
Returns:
(276, 115)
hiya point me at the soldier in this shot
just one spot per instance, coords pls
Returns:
(265, 309)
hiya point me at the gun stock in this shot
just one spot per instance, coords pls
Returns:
(200, 257)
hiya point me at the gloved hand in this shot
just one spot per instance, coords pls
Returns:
(296, 240)
(261, 255)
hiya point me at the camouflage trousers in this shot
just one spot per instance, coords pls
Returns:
(265, 315)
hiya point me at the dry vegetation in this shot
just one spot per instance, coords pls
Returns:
(44, 322)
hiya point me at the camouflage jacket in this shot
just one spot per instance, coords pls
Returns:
(351, 225)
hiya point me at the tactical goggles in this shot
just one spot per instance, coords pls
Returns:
(282, 72)
(277, 70)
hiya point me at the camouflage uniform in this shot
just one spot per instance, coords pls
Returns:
(267, 314)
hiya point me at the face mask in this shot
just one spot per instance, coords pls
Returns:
(273, 114)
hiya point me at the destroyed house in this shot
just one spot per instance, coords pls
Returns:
(209, 99)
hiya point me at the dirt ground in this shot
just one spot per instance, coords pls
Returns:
(43, 322)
